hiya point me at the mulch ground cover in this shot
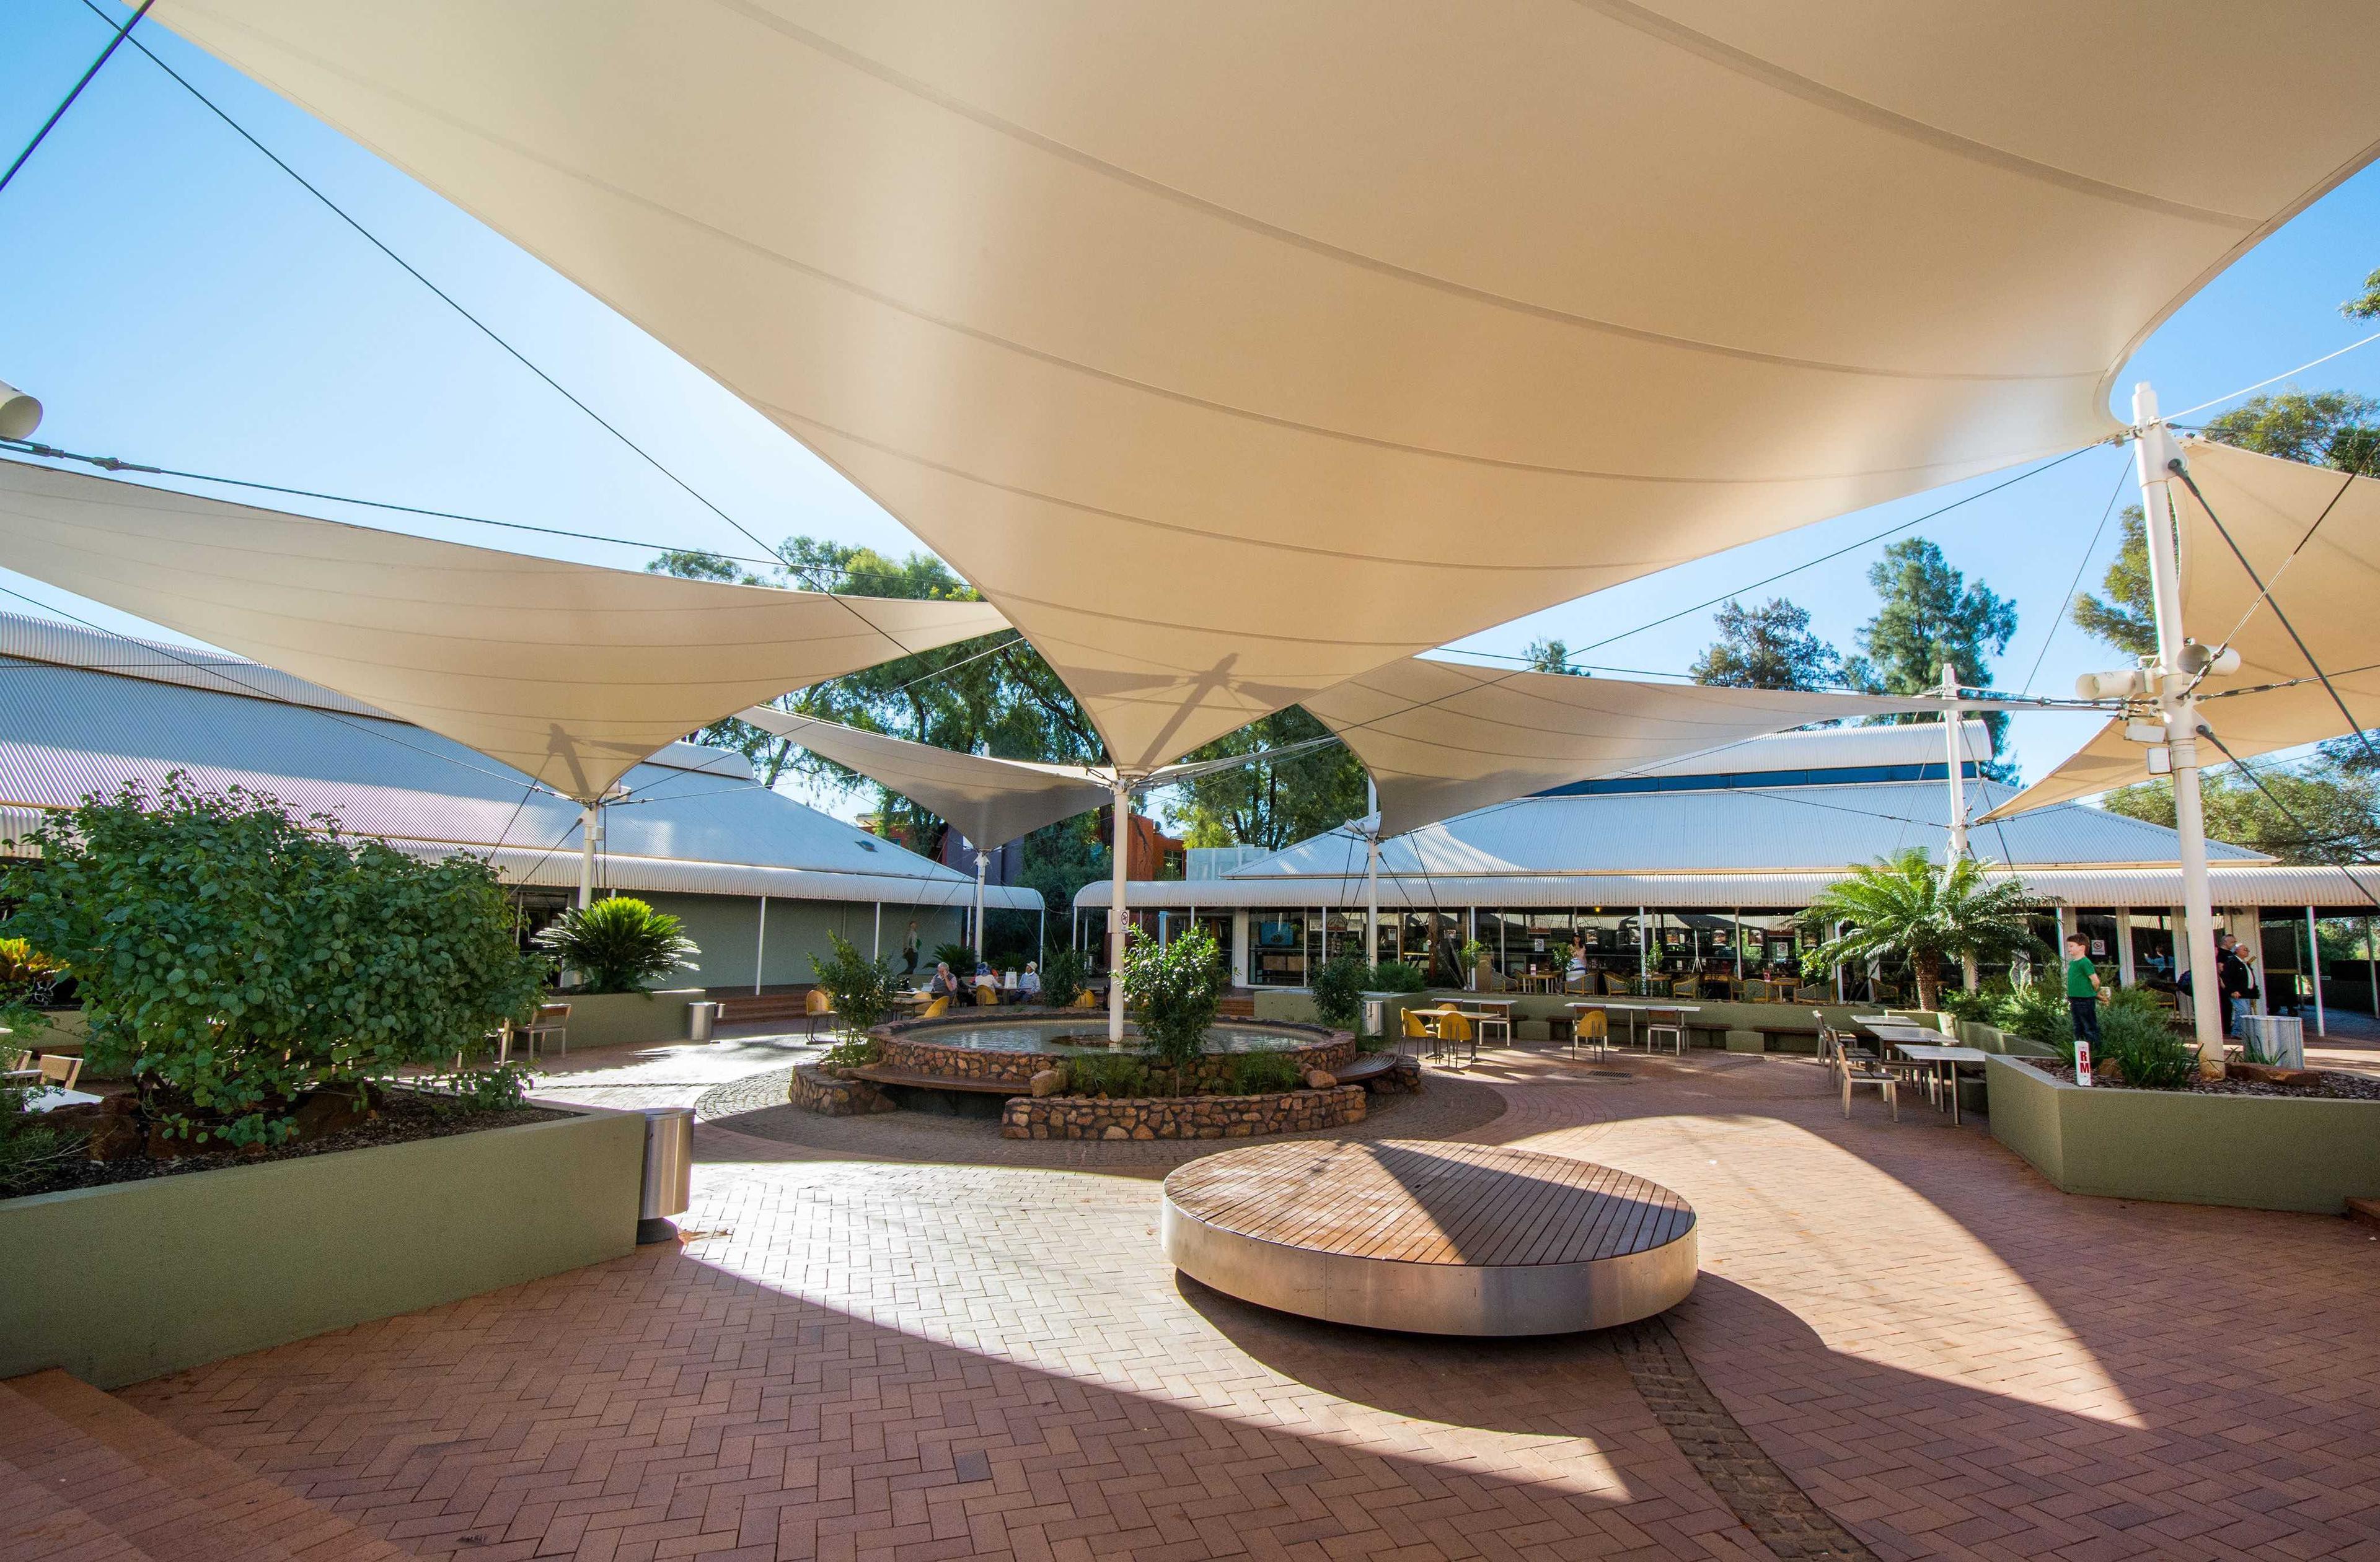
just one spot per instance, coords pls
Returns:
(2332, 1085)
(403, 1117)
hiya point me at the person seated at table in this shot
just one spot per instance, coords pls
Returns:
(943, 984)
(1028, 986)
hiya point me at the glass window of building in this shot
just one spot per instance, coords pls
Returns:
(1277, 956)
(2152, 935)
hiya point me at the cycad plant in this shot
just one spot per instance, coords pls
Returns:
(619, 944)
(1906, 906)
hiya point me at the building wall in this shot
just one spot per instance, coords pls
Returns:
(728, 929)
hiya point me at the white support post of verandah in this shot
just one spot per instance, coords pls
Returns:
(1957, 729)
(982, 862)
(2155, 456)
(2313, 969)
(1123, 790)
(591, 822)
(1371, 872)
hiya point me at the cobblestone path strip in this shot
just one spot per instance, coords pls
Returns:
(1724, 1454)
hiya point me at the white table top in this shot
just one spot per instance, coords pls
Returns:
(1940, 1054)
(1633, 1003)
(56, 1096)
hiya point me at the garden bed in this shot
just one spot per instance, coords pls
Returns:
(2329, 1085)
(2256, 1147)
(402, 1116)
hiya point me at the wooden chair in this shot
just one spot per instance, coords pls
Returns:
(1686, 986)
(60, 1069)
(553, 1020)
(937, 1009)
(817, 1006)
(1756, 990)
(1658, 1021)
(1809, 995)
(1616, 987)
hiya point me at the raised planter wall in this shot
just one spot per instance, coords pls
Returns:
(907, 1045)
(815, 1090)
(2174, 1146)
(628, 1018)
(124, 1282)
(1181, 1117)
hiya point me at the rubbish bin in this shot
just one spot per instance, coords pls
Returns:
(700, 1018)
(669, 1171)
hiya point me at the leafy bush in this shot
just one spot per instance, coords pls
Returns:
(958, 957)
(232, 961)
(1397, 975)
(30, 1143)
(855, 1053)
(2135, 1038)
(1263, 1073)
(619, 944)
(26, 974)
(499, 1089)
(1176, 990)
(1974, 1007)
(861, 988)
(1118, 1075)
(2038, 1012)
(1474, 954)
(1061, 977)
(1338, 988)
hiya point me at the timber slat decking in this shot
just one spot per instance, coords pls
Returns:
(1436, 1204)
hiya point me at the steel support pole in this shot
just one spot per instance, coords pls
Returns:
(760, 948)
(590, 821)
(2313, 965)
(2153, 450)
(981, 861)
(1372, 874)
(876, 940)
(1957, 729)
(1115, 918)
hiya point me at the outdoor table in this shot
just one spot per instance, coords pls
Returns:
(1631, 1007)
(1445, 1011)
(1488, 1014)
(1945, 1062)
(56, 1097)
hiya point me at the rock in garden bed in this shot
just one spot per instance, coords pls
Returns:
(2328, 1084)
(399, 1117)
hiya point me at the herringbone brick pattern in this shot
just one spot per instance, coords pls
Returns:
(915, 1361)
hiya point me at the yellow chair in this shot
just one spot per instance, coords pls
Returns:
(1416, 1025)
(937, 1009)
(817, 1006)
(1086, 999)
(986, 995)
(1593, 1025)
(1454, 1029)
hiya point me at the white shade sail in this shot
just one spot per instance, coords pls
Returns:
(991, 800)
(1235, 349)
(565, 671)
(2311, 535)
(1442, 738)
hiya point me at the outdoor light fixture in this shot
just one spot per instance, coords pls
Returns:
(2200, 660)
(20, 414)
(2129, 683)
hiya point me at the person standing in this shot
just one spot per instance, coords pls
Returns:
(2239, 983)
(910, 952)
(2083, 989)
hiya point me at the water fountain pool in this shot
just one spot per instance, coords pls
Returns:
(1088, 1032)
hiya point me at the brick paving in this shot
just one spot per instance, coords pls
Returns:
(908, 1360)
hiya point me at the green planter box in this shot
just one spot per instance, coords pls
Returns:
(628, 1018)
(2256, 1152)
(124, 1282)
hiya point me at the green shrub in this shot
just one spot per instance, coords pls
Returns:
(499, 1089)
(1474, 954)
(958, 957)
(860, 988)
(2135, 1038)
(1396, 976)
(1339, 990)
(1118, 1075)
(2038, 1012)
(1061, 977)
(1263, 1073)
(1974, 1007)
(232, 960)
(30, 1144)
(855, 1053)
(1176, 990)
(619, 944)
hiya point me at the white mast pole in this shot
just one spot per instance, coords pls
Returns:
(981, 859)
(589, 822)
(1116, 917)
(1372, 873)
(2152, 451)
(1954, 724)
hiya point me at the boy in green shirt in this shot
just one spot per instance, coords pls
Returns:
(2083, 987)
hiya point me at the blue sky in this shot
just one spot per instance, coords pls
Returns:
(173, 298)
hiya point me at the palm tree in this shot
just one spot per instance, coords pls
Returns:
(1906, 906)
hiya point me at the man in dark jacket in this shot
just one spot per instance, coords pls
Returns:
(2238, 981)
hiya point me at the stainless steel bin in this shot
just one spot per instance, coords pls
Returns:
(699, 1019)
(669, 1171)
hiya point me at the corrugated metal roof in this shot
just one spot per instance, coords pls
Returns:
(1738, 830)
(66, 731)
(1911, 743)
(2239, 884)
(70, 644)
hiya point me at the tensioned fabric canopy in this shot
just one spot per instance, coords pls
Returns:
(1442, 738)
(565, 671)
(2312, 535)
(991, 800)
(1237, 349)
